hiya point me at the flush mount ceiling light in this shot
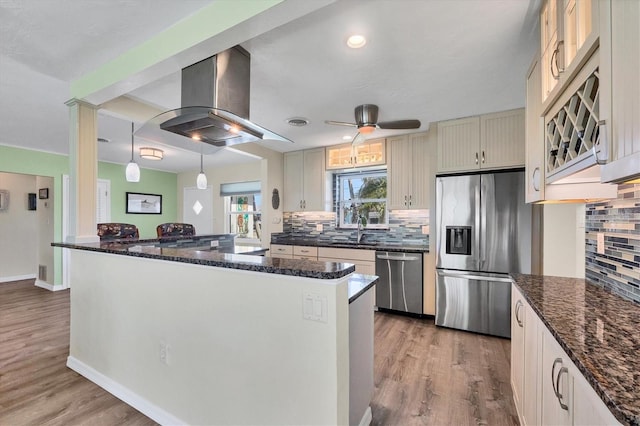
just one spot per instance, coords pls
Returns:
(356, 41)
(132, 173)
(151, 153)
(297, 121)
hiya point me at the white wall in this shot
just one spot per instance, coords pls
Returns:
(564, 240)
(268, 168)
(240, 351)
(45, 228)
(18, 229)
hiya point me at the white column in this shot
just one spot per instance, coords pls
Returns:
(83, 171)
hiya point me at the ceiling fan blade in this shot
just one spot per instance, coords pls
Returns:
(340, 123)
(399, 124)
(358, 139)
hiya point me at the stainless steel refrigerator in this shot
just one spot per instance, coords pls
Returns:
(483, 233)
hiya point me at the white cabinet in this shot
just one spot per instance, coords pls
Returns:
(620, 92)
(557, 384)
(547, 386)
(364, 260)
(281, 251)
(369, 153)
(304, 180)
(525, 342)
(489, 141)
(305, 252)
(409, 173)
(534, 128)
(569, 31)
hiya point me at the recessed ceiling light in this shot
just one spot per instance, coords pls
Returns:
(356, 41)
(347, 138)
(297, 121)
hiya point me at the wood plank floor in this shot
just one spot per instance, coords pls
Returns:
(423, 374)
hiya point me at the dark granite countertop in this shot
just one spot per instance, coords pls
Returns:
(598, 330)
(358, 285)
(312, 242)
(223, 257)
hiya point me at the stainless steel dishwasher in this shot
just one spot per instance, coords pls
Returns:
(400, 285)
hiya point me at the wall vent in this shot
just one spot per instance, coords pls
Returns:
(42, 272)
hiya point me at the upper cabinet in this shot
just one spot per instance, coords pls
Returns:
(409, 174)
(620, 90)
(490, 141)
(304, 180)
(369, 153)
(534, 131)
(569, 31)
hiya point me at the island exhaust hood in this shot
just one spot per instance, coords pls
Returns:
(215, 107)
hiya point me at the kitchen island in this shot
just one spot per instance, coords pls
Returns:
(598, 332)
(191, 335)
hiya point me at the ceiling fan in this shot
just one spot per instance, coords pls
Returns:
(367, 121)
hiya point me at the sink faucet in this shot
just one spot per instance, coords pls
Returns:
(359, 226)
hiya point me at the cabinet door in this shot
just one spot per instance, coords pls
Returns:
(339, 156)
(531, 378)
(502, 139)
(458, 145)
(399, 170)
(421, 172)
(621, 45)
(549, 46)
(313, 181)
(556, 371)
(580, 29)
(370, 153)
(517, 347)
(534, 136)
(293, 181)
(589, 409)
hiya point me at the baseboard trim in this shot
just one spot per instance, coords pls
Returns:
(123, 393)
(17, 278)
(47, 286)
(367, 417)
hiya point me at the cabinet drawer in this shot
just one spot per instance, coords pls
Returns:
(278, 250)
(300, 257)
(305, 251)
(347, 255)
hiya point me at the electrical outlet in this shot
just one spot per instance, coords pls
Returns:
(164, 352)
(425, 229)
(600, 241)
(319, 227)
(215, 243)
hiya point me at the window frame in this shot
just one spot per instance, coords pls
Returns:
(341, 200)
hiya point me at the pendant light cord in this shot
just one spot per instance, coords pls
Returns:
(132, 141)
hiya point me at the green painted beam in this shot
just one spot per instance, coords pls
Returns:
(208, 22)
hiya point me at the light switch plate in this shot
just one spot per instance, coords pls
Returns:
(314, 307)
(319, 227)
(425, 229)
(600, 240)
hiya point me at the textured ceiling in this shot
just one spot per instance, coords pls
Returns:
(429, 59)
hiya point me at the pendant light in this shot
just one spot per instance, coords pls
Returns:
(133, 171)
(201, 181)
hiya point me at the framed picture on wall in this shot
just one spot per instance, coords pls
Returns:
(43, 193)
(139, 203)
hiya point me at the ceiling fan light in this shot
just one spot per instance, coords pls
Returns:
(356, 41)
(366, 129)
(132, 173)
(151, 153)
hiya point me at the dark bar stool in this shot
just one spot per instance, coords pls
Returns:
(175, 230)
(117, 231)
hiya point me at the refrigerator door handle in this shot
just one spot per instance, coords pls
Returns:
(483, 223)
(476, 236)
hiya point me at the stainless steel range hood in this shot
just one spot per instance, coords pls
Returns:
(215, 107)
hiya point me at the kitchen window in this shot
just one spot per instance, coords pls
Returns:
(242, 204)
(362, 194)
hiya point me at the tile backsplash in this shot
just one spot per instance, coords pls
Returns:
(405, 227)
(618, 268)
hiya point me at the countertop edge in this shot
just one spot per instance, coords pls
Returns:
(326, 275)
(364, 282)
(375, 247)
(616, 410)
